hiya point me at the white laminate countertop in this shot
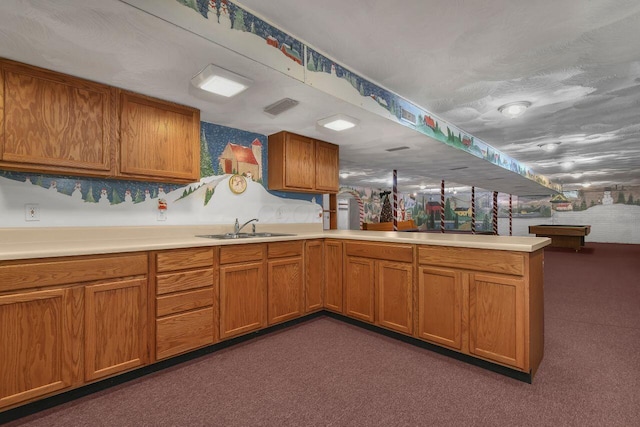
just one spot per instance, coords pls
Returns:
(28, 243)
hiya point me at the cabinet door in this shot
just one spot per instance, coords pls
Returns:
(440, 296)
(55, 123)
(327, 167)
(183, 332)
(359, 288)
(314, 269)
(115, 327)
(35, 344)
(285, 288)
(394, 281)
(242, 298)
(333, 294)
(497, 318)
(158, 140)
(299, 162)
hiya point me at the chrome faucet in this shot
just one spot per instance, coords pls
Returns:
(237, 227)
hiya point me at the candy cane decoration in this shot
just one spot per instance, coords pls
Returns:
(473, 210)
(442, 206)
(510, 216)
(495, 212)
(395, 200)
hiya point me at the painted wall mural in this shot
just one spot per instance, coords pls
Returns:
(76, 201)
(225, 23)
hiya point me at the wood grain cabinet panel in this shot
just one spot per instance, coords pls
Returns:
(359, 288)
(285, 289)
(183, 332)
(394, 296)
(497, 319)
(56, 123)
(327, 167)
(299, 163)
(159, 140)
(333, 284)
(314, 280)
(242, 298)
(36, 340)
(115, 327)
(440, 302)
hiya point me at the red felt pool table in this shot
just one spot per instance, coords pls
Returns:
(562, 236)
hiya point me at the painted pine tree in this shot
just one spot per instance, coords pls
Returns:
(206, 164)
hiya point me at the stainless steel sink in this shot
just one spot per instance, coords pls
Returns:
(229, 236)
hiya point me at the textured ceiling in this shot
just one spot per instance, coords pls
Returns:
(576, 61)
(578, 65)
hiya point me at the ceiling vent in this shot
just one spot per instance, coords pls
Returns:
(458, 168)
(397, 149)
(280, 107)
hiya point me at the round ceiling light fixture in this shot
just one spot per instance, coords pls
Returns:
(549, 146)
(514, 109)
(567, 164)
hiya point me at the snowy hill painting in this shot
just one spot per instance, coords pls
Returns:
(74, 201)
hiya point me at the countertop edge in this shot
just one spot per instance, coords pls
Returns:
(14, 249)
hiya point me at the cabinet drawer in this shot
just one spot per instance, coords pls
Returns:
(16, 275)
(389, 252)
(241, 253)
(184, 332)
(504, 262)
(182, 259)
(284, 249)
(183, 301)
(175, 282)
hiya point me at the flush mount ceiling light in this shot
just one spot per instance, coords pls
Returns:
(339, 122)
(549, 146)
(344, 175)
(514, 109)
(567, 165)
(220, 81)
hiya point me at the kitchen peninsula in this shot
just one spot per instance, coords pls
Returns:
(76, 309)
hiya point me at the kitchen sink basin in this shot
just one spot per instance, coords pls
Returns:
(230, 236)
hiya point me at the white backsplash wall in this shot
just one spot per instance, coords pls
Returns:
(65, 201)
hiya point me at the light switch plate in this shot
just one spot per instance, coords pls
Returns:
(31, 212)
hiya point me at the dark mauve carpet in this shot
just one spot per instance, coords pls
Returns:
(328, 373)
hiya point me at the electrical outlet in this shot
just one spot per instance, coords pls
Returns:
(162, 215)
(31, 212)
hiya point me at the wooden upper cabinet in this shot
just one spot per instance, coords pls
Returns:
(159, 140)
(327, 168)
(54, 123)
(299, 163)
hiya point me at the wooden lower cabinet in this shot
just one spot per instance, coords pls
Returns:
(497, 318)
(285, 289)
(314, 271)
(359, 288)
(440, 302)
(38, 344)
(115, 327)
(394, 296)
(183, 332)
(333, 286)
(242, 298)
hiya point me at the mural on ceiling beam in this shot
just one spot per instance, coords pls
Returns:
(331, 77)
(225, 23)
(225, 152)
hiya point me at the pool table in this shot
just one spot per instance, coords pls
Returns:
(562, 236)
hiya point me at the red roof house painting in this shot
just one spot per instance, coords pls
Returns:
(242, 160)
(466, 141)
(428, 120)
(272, 41)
